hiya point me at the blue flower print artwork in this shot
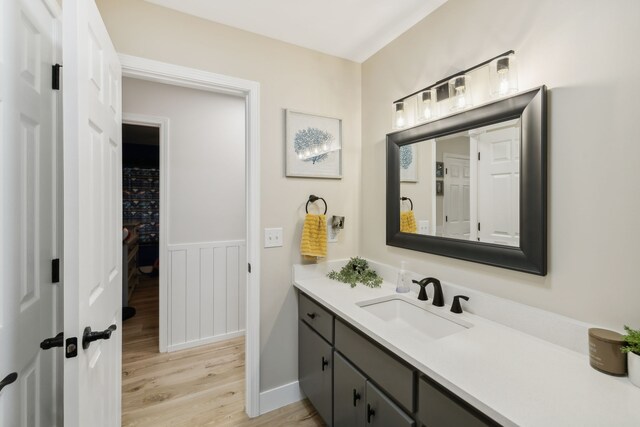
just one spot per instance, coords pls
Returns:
(408, 163)
(313, 146)
(406, 156)
(310, 141)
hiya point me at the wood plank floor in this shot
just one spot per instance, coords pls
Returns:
(203, 386)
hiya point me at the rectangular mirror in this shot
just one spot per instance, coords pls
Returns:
(473, 185)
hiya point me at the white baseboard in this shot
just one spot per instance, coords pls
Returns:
(204, 341)
(280, 396)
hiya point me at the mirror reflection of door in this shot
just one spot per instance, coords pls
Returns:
(499, 186)
(457, 182)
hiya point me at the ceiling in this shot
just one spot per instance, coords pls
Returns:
(351, 29)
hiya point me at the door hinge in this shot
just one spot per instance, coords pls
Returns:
(55, 76)
(55, 270)
(71, 347)
(249, 267)
(478, 226)
(478, 155)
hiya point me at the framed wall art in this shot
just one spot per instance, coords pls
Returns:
(409, 163)
(313, 146)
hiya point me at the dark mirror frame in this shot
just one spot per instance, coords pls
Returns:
(531, 256)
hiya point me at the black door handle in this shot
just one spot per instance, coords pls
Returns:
(356, 397)
(56, 341)
(88, 337)
(9, 379)
(311, 315)
(370, 413)
(325, 363)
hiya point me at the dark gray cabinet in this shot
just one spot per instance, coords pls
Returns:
(349, 387)
(440, 408)
(315, 368)
(354, 382)
(382, 412)
(393, 376)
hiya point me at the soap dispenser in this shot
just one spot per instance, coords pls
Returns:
(402, 285)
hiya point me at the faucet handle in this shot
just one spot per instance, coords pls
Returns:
(455, 306)
(422, 296)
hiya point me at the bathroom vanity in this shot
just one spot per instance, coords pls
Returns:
(375, 357)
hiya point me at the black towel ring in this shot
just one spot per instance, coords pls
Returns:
(313, 199)
(406, 198)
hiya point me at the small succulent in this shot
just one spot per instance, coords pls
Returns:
(632, 341)
(357, 271)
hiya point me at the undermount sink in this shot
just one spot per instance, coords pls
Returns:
(406, 315)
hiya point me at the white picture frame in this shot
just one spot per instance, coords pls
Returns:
(409, 163)
(305, 132)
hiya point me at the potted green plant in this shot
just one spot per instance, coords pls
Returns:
(632, 348)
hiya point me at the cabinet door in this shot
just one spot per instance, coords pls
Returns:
(348, 394)
(315, 370)
(382, 412)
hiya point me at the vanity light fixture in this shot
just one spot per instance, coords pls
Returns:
(453, 93)
(503, 76)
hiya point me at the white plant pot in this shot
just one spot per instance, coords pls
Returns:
(633, 364)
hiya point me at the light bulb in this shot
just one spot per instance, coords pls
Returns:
(324, 147)
(300, 155)
(460, 101)
(307, 152)
(503, 81)
(427, 112)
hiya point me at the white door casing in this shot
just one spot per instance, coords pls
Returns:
(92, 216)
(162, 72)
(499, 186)
(29, 46)
(456, 203)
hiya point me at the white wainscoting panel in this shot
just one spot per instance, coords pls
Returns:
(207, 292)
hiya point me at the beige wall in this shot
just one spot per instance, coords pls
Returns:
(206, 194)
(586, 54)
(290, 77)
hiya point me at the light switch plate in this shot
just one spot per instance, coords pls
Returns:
(272, 237)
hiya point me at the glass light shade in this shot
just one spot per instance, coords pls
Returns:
(399, 115)
(503, 76)
(426, 105)
(460, 92)
(442, 100)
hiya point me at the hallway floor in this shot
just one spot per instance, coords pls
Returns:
(195, 387)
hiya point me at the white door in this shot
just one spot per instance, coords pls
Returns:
(456, 202)
(28, 212)
(499, 186)
(92, 216)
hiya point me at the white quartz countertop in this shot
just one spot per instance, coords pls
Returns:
(515, 378)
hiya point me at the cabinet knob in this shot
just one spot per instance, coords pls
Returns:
(311, 315)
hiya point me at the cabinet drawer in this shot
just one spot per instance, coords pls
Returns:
(441, 408)
(315, 316)
(392, 375)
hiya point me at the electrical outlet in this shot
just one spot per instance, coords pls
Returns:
(272, 237)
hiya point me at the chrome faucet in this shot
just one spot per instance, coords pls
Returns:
(438, 298)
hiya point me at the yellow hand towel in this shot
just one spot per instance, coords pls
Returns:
(408, 222)
(314, 236)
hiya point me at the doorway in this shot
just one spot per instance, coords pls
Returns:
(200, 225)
